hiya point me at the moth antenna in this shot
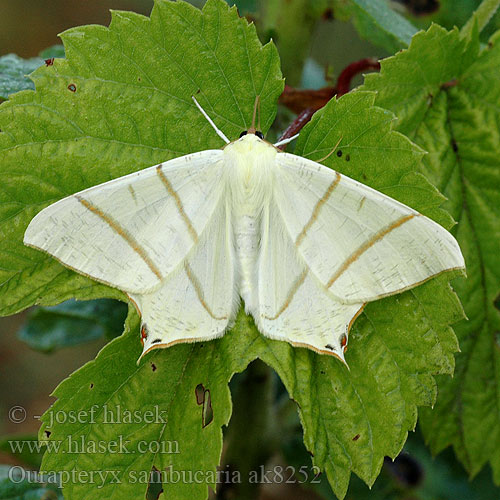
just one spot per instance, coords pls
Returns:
(256, 107)
(331, 152)
(217, 131)
(258, 113)
(285, 141)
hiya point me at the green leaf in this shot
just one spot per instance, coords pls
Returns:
(72, 323)
(20, 484)
(447, 100)
(54, 51)
(13, 74)
(14, 70)
(482, 16)
(382, 26)
(96, 117)
(121, 101)
(396, 346)
(24, 448)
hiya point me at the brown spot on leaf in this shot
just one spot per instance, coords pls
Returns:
(49, 62)
(199, 392)
(347, 157)
(327, 14)
(450, 83)
(356, 437)
(454, 145)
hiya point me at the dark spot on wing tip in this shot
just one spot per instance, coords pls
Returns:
(72, 87)
(356, 437)
(49, 62)
(91, 386)
(329, 346)
(153, 367)
(339, 153)
(347, 157)
(48, 433)
(156, 341)
(454, 145)
(343, 342)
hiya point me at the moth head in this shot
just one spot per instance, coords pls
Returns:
(257, 133)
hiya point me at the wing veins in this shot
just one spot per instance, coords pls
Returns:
(293, 290)
(178, 203)
(317, 209)
(367, 245)
(118, 229)
(199, 291)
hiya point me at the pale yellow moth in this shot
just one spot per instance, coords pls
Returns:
(304, 246)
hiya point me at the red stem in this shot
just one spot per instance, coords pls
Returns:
(349, 72)
(306, 102)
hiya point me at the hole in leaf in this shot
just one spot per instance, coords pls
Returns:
(339, 153)
(200, 394)
(48, 433)
(208, 413)
(496, 302)
(91, 386)
(155, 485)
(356, 437)
(49, 62)
(153, 367)
(72, 87)
(203, 398)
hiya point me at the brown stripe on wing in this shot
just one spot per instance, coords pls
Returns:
(317, 208)
(199, 291)
(115, 226)
(178, 202)
(365, 246)
(293, 290)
